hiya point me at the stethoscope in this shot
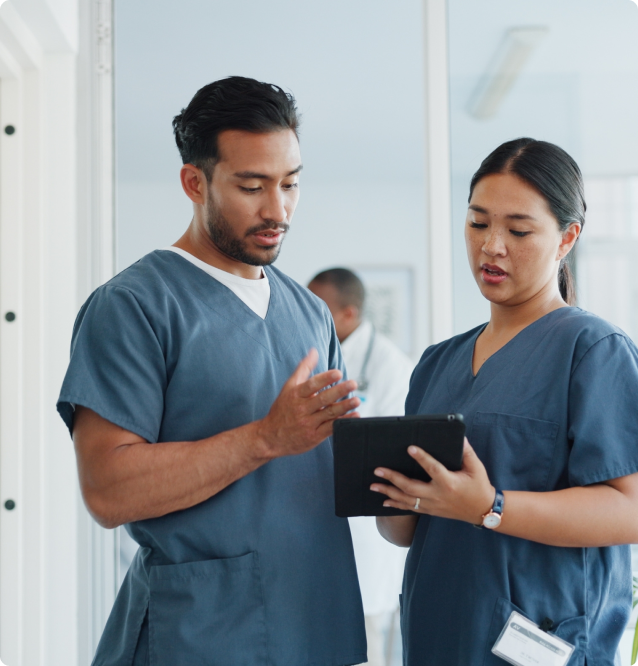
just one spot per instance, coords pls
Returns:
(362, 382)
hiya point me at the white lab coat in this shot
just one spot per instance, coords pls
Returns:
(379, 563)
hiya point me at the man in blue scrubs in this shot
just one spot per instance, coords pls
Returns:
(201, 393)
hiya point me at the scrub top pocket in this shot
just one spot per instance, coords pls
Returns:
(573, 630)
(208, 613)
(517, 451)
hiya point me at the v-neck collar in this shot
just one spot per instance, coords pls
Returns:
(509, 343)
(276, 332)
(505, 359)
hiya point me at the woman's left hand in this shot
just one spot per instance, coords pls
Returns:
(465, 495)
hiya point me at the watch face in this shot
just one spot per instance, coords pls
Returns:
(491, 521)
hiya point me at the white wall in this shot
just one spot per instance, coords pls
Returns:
(53, 23)
(356, 69)
(579, 90)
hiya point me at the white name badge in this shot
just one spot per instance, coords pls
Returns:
(523, 643)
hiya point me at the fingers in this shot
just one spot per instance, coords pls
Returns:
(394, 494)
(319, 382)
(397, 499)
(331, 395)
(337, 409)
(471, 462)
(410, 487)
(326, 428)
(433, 467)
(350, 415)
(407, 505)
(304, 369)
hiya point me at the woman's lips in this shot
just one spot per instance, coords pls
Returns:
(492, 274)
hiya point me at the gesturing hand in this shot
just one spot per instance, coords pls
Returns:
(465, 495)
(302, 415)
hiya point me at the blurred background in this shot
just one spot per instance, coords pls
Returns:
(356, 69)
(400, 103)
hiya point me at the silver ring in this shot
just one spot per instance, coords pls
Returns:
(416, 504)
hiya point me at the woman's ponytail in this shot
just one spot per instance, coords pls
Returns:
(566, 282)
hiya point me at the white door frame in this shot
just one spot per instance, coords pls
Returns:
(58, 569)
(99, 548)
(438, 170)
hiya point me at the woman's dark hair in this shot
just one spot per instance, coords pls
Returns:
(555, 175)
(234, 103)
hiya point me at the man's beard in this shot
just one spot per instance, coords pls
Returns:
(221, 234)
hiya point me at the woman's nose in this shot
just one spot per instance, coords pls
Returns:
(494, 244)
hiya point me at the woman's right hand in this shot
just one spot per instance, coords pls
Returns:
(464, 495)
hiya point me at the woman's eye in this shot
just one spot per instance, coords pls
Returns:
(478, 225)
(520, 234)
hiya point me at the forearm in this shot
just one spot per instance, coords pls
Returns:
(591, 516)
(140, 480)
(398, 530)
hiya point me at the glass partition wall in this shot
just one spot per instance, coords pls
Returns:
(565, 72)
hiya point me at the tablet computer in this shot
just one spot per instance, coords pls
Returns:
(362, 445)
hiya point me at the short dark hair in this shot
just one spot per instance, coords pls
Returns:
(555, 176)
(348, 285)
(234, 103)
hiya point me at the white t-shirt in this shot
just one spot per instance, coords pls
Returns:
(254, 293)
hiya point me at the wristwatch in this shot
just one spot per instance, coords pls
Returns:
(492, 519)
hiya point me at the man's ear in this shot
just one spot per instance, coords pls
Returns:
(194, 183)
(351, 312)
(569, 237)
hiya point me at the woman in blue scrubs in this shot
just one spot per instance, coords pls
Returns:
(549, 395)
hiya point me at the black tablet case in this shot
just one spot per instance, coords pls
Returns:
(362, 445)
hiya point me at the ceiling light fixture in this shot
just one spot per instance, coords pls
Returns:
(504, 69)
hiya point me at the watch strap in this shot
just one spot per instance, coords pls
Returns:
(499, 502)
(497, 507)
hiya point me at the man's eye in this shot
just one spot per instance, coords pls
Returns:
(519, 234)
(250, 189)
(478, 225)
(291, 186)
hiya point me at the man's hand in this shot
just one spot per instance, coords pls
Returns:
(303, 414)
(124, 478)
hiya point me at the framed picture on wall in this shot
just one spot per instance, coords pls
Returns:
(390, 302)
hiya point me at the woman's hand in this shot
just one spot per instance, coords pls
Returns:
(465, 495)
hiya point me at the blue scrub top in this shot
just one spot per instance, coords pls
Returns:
(263, 573)
(552, 409)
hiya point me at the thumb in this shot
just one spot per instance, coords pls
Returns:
(471, 462)
(304, 369)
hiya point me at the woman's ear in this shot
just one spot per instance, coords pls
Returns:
(569, 237)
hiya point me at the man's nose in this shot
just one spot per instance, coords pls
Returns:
(274, 208)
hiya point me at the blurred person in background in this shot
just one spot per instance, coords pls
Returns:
(382, 372)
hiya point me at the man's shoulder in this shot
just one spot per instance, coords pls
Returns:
(152, 269)
(148, 280)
